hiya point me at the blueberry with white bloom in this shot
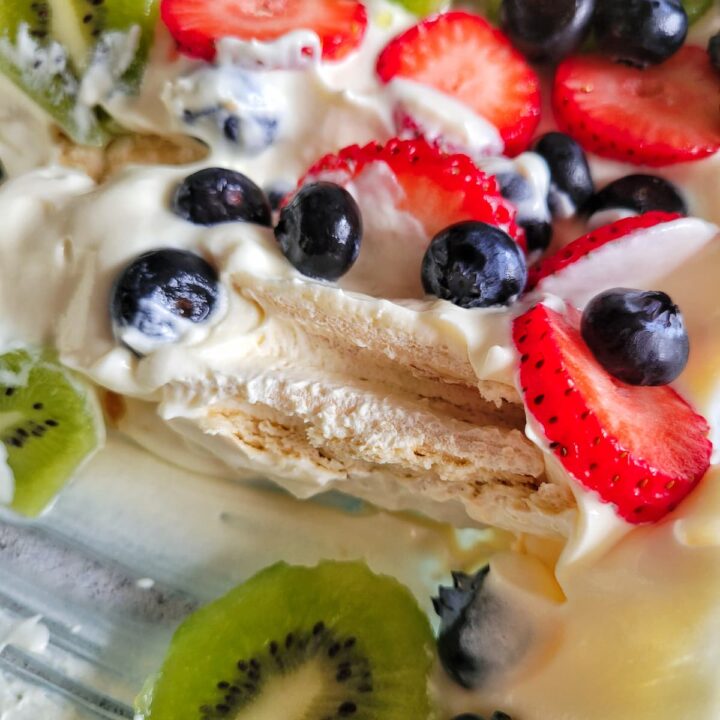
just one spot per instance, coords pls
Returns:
(163, 296)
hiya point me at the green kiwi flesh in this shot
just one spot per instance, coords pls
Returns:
(49, 424)
(299, 643)
(46, 46)
(695, 9)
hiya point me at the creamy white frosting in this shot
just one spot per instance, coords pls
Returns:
(628, 619)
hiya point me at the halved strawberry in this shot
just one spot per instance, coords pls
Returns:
(632, 252)
(660, 115)
(464, 56)
(641, 448)
(197, 24)
(437, 189)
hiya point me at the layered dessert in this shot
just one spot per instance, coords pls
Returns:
(431, 264)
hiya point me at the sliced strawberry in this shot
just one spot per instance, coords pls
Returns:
(197, 24)
(641, 448)
(663, 114)
(632, 252)
(438, 189)
(464, 56)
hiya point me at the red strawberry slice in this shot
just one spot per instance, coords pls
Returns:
(197, 24)
(641, 448)
(464, 56)
(663, 114)
(632, 252)
(438, 189)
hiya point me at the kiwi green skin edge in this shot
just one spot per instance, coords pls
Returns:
(38, 480)
(58, 98)
(390, 628)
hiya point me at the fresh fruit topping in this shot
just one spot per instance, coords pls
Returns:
(571, 184)
(217, 195)
(640, 32)
(473, 265)
(234, 105)
(657, 116)
(695, 9)
(68, 55)
(640, 448)
(635, 251)
(639, 337)
(163, 296)
(319, 230)
(422, 7)
(197, 25)
(524, 181)
(463, 56)
(479, 635)
(299, 643)
(546, 31)
(436, 188)
(639, 194)
(49, 425)
(3, 173)
(714, 50)
(276, 193)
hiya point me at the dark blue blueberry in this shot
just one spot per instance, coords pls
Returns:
(546, 30)
(499, 715)
(218, 195)
(253, 132)
(714, 50)
(640, 32)
(479, 634)
(571, 184)
(3, 174)
(520, 192)
(514, 187)
(277, 191)
(319, 230)
(158, 295)
(637, 336)
(473, 265)
(538, 234)
(639, 193)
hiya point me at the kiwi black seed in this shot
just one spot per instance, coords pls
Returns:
(49, 423)
(297, 643)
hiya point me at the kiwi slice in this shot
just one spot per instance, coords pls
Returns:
(423, 7)
(49, 423)
(298, 643)
(47, 47)
(695, 9)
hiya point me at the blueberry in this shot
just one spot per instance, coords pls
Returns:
(639, 193)
(538, 234)
(3, 173)
(640, 32)
(473, 264)
(571, 184)
(277, 191)
(160, 296)
(319, 230)
(546, 30)
(468, 716)
(218, 195)
(499, 715)
(479, 635)
(714, 50)
(531, 204)
(253, 132)
(637, 336)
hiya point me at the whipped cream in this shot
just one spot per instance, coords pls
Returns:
(627, 620)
